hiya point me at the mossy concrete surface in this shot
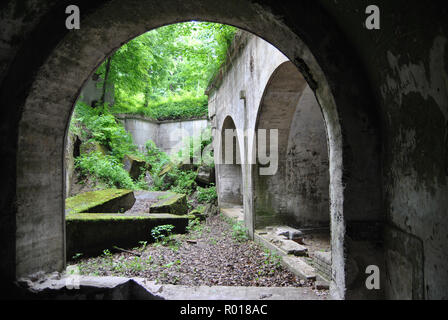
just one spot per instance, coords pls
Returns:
(101, 201)
(90, 234)
(174, 203)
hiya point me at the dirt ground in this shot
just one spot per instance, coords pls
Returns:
(212, 253)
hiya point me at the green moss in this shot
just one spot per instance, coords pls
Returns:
(89, 200)
(175, 204)
(166, 196)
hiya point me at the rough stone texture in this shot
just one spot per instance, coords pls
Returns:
(173, 203)
(382, 92)
(69, 162)
(120, 288)
(206, 175)
(91, 233)
(134, 166)
(299, 267)
(101, 201)
(322, 263)
(169, 136)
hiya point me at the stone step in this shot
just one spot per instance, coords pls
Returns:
(299, 267)
(101, 201)
(174, 203)
(292, 247)
(280, 244)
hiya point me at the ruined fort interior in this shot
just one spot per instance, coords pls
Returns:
(360, 115)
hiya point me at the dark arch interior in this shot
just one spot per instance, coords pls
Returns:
(229, 170)
(297, 194)
(383, 97)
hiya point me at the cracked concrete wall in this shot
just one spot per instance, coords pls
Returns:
(382, 94)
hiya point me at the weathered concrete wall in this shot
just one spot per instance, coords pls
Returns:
(280, 101)
(230, 174)
(382, 93)
(167, 135)
(307, 173)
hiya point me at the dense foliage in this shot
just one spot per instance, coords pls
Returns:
(163, 73)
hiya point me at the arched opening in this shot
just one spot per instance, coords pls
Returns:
(292, 201)
(43, 114)
(229, 171)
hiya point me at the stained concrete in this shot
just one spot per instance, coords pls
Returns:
(382, 95)
(169, 136)
(76, 287)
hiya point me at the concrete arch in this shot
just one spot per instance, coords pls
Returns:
(41, 100)
(297, 192)
(228, 170)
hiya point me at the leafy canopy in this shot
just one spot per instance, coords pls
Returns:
(154, 73)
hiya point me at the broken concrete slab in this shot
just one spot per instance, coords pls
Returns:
(289, 233)
(299, 267)
(174, 203)
(100, 201)
(292, 247)
(134, 165)
(277, 243)
(206, 175)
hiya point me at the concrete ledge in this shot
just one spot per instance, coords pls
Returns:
(299, 267)
(296, 265)
(91, 233)
(101, 201)
(174, 203)
(76, 287)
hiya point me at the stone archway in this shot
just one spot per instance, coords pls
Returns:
(40, 106)
(229, 170)
(297, 193)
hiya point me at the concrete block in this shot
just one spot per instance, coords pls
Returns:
(101, 201)
(299, 267)
(174, 203)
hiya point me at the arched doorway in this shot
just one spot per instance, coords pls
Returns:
(295, 197)
(229, 171)
(55, 76)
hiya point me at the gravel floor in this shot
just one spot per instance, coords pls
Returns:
(209, 255)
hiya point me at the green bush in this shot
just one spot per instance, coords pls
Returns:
(100, 126)
(184, 181)
(105, 168)
(207, 195)
(199, 146)
(185, 106)
(162, 234)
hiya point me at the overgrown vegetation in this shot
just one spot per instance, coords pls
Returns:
(239, 230)
(207, 195)
(163, 73)
(162, 234)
